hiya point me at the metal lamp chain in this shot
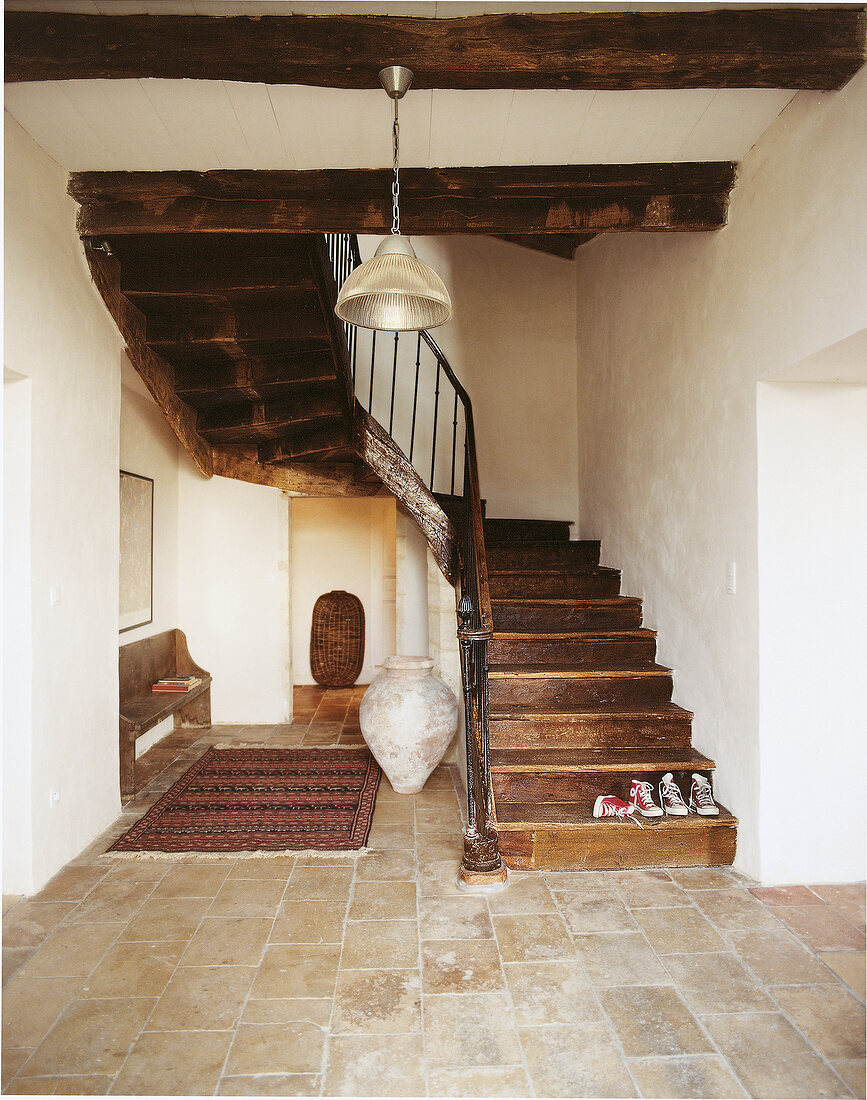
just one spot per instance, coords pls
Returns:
(395, 183)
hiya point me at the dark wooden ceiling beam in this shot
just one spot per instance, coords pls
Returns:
(817, 48)
(562, 245)
(495, 201)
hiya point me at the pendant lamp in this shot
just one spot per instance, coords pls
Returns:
(394, 290)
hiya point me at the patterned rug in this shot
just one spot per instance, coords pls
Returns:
(263, 800)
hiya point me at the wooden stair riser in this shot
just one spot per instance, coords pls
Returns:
(525, 530)
(592, 652)
(625, 690)
(591, 731)
(556, 618)
(542, 555)
(603, 846)
(579, 585)
(580, 787)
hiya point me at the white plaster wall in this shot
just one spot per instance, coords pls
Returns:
(411, 611)
(17, 666)
(345, 544)
(511, 342)
(673, 332)
(59, 335)
(812, 610)
(149, 447)
(233, 593)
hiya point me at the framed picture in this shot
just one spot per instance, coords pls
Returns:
(136, 550)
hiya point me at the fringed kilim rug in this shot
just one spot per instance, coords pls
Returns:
(263, 800)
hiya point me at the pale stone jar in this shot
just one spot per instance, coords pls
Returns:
(408, 717)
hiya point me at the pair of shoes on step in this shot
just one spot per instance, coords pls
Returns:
(641, 800)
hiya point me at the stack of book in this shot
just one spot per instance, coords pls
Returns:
(177, 683)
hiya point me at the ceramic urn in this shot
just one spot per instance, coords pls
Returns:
(408, 717)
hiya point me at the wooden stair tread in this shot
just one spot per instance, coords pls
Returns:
(554, 571)
(559, 672)
(572, 760)
(564, 815)
(571, 635)
(536, 713)
(567, 601)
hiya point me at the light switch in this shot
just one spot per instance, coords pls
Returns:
(731, 578)
(54, 595)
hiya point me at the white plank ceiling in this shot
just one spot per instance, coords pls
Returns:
(149, 125)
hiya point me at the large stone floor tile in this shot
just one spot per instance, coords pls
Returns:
(830, 1017)
(275, 1048)
(73, 951)
(848, 898)
(187, 880)
(273, 1084)
(735, 909)
(620, 958)
(167, 919)
(375, 1065)
(551, 993)
(702, 1076)
(309, 922)
(71, 884)
(174, 1063)
(297, 970)
(850, 966)
(778, 958)
(320, 882)
(526, 893)
(31, 922)
(653, 1021)
(91, 1037)
(377, 1002)
(770, 1057)
(678, 931)
(142, 969)
(716, 983)
(31, 1006)
(532, 937)
(383, 901)
(855, 1076)
(380, 944)
(821, 927)
(228, 941)
(203, 998)
(470, 1030)
(461, 966)
(575, 1060)
(596, 912)
(288, 1010)
(479, 1081)
(454, 918)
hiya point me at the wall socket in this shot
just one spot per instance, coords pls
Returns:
(731, 577)
(53, 797)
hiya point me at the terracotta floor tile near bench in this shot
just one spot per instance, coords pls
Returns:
(375, 976)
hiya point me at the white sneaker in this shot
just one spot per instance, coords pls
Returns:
(700, 797)
(671, 798)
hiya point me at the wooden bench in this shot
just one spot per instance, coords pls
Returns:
(140, 665)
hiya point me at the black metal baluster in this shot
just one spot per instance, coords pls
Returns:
(372, 368)
(454, 442)
(393, 384)
(433, 450)
(415, 397)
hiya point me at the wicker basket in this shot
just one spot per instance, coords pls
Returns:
(337, 639)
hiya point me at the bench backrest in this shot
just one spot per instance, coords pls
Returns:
(141, 664)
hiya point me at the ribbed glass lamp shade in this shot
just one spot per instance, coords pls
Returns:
(394, 291)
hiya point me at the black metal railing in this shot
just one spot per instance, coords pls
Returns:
(419, 371)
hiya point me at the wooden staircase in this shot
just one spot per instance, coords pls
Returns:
(235, 336)
(578, 708)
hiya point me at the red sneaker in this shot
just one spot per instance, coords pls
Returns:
(641, 797)
(700, 797)
(609, 805)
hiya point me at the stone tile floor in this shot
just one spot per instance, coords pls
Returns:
(375, 975)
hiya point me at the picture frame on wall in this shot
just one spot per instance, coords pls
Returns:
(136, 551)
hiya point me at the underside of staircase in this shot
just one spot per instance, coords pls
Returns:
(578, 708)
